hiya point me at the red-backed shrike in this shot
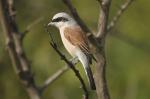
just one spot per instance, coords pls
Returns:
(75, 41)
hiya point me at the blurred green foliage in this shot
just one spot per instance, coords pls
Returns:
(128, 64)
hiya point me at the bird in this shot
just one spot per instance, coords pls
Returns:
(75, 41)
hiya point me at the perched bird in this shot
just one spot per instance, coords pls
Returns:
(75, 41)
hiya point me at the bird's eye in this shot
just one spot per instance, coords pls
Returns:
(60, 19)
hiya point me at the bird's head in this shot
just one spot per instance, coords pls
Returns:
(62, 19)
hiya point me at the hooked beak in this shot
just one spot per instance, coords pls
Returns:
(50, 24)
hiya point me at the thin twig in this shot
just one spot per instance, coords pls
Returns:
(103, 18)
(122, 9)
(70, 64)
(54, 77)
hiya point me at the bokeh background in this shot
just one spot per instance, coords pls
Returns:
(127, 50)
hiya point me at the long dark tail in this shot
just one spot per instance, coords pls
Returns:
(90, 78)
(86, 60)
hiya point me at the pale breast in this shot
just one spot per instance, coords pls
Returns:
(70, 48)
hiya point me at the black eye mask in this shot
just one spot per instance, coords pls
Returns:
(60, 19)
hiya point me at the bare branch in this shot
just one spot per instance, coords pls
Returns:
(54, 77)
(15, 49)
(122, 9)
(100, 73)
(71, 65)
(103, 18)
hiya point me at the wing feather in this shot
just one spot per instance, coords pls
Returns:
(78, 38)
